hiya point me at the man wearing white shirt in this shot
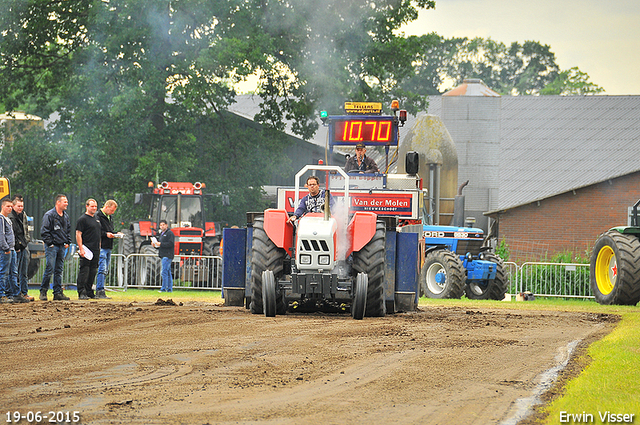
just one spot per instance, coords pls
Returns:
(88, 235)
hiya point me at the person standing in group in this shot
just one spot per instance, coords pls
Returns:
(106, 245)
(56, 234)
(8, 280)
(21, 232)
(88, 231)
(6, 249)
(165, 243)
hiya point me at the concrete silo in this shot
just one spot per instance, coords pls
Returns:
(438, 164)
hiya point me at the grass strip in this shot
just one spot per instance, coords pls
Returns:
(610, 384)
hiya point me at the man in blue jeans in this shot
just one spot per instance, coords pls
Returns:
(21, 232)
(106, 245)
(165, 244)
(8, 283)
(56, 234)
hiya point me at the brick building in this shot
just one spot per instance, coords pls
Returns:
(570, 221)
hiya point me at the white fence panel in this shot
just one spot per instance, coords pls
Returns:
(566, 280)
(143, 271)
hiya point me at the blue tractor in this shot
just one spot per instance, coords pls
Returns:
(456, 262)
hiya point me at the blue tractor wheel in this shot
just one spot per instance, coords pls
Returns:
(442, 275)
(493, 289)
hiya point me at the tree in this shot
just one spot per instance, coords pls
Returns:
(571, 82)
(518, 69)
(140, 87)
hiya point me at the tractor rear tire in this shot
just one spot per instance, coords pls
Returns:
(445, 266)
(359, 304)
(615, 269)
(149, 267)
(265, 255)
(126, 247)
(370, 260)
(495, 289)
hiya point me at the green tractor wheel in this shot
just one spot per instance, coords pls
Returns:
(615, 269)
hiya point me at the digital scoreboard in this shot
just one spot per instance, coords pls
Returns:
(368, 130)
(363, 123)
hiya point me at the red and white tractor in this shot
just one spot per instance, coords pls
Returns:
(330, 261)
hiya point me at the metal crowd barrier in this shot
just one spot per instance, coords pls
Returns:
(143, 271)
(197, 272)
(565, 280)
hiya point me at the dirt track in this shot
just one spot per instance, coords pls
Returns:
(201, 363)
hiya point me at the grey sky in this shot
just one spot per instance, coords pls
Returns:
(601, 38)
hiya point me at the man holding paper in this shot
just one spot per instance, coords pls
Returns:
(88, 234)
(106, 245)
(165, 244)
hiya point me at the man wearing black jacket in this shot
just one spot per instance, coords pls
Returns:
(21, 233)
(106, 245)
(56, 234)
(165, 244)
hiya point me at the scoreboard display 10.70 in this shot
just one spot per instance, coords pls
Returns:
(370, 130)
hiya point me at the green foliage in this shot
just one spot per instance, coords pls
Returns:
(140, 88)
(571, 82)
(32, 161)
(529, 68)
(569, 257)
(502, 250)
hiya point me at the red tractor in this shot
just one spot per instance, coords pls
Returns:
(182, 206)
(331, 261)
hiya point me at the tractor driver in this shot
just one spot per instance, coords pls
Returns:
(361, 163)
(313, 202)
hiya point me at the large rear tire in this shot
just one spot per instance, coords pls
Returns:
(126, 247)
(494, 289)
(370, 260)
(442, 275)
(615, 269)
(149, 268)
(265, 255)
(359, 304)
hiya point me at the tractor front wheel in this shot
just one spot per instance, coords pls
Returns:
(370, 260)
(149, 267)
(615, 269)
(265, 255)
(269, 293)
(491, 289)
(442, 275)
(359, 304)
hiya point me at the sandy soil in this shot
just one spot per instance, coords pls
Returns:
(198, 363)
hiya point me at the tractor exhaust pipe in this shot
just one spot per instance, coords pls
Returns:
(327, 205)
(458, 208)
